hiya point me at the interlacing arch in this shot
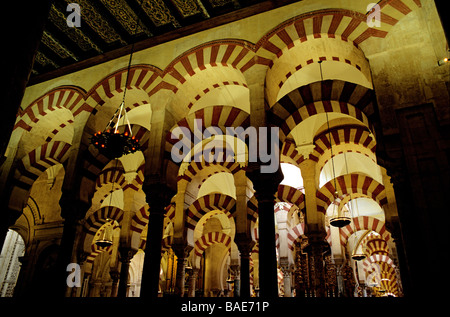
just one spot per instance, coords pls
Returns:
(211, 202)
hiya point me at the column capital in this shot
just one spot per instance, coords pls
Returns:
(181, 250)
(115, 274)
(158, 195)
(285, 266)
(308, 169)
(244, 243)
(315, 234)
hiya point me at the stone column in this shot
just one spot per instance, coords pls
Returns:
(8, 218)
(182, 253)
(245, 245)
(193, 282)
(315, 257)
(72, 210)
(126, 254)
(235, 269)
(115, 282)
(286, 269)
(158, 197)
(266, 185)
(340, 277)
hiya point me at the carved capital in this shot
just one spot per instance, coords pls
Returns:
(244, 243)
(158, 196)
(265, 184)
(181, 250)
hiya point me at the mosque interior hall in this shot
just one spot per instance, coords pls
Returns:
(225, 148)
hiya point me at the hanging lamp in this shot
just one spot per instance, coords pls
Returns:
(111, 142)
(105, 239)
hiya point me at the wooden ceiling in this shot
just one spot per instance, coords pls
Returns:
(108, 28)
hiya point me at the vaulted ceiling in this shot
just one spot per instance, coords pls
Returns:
(108, 27)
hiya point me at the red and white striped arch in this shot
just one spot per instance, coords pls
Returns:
(65, 97)
(364, 223)
(207, 240)
(287, 121)
(95, 220)
(294, 234)
(141, 77)
(236, 54)
(286, 193)
(194, 168)
(334, 24)
(350, 184)
(356, 135)
(214, 116)
(95, 251)
(375, 246)
(207, 203)
(32, 165)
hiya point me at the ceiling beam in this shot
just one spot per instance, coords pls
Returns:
(162, 38)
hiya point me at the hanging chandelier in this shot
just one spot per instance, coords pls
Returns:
(115, 141)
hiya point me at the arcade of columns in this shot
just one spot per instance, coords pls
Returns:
(215, 228)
